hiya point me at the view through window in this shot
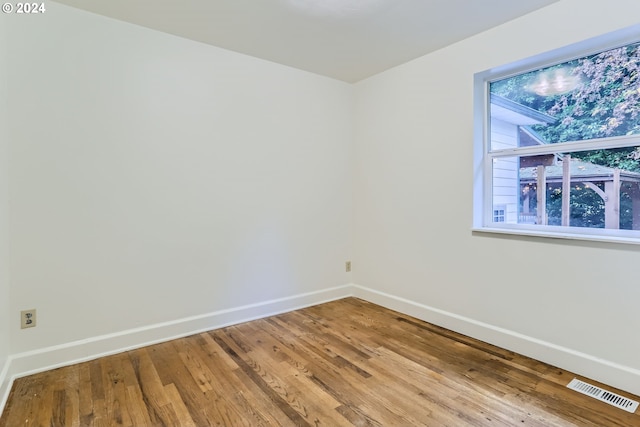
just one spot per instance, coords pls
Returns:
(564, 144)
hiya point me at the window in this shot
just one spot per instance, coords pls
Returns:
(557, 143)
(498, 213)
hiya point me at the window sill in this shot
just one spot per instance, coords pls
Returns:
(606, 238)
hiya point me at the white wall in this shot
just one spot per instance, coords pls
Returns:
(155, 178)
(566, 302)
(5, 319)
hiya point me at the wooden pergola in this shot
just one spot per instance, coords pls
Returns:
(570, 171)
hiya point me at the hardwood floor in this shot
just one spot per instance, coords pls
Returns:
(342, 363)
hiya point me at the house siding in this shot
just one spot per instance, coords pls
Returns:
(505, 170)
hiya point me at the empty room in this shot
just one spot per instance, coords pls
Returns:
(319, 213)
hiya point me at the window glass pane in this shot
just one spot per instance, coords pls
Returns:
(597, 96)
(603, 189)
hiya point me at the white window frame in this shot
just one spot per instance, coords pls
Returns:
(483, 156)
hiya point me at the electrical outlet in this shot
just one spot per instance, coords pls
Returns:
(347, 266)
(28, 318)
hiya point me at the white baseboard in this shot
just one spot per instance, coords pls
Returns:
(605, 371)
(31, 362)
(5, 383)
(23, 364)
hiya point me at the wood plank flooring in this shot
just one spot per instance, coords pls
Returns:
(343, 363)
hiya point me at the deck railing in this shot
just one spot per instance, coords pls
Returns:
(527, 218)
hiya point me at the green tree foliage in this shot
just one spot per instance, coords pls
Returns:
(604, 103)
(587, 207)
(607, 100)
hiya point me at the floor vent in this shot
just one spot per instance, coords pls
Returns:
(603, 395)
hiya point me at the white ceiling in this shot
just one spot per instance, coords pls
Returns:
(345, 39)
